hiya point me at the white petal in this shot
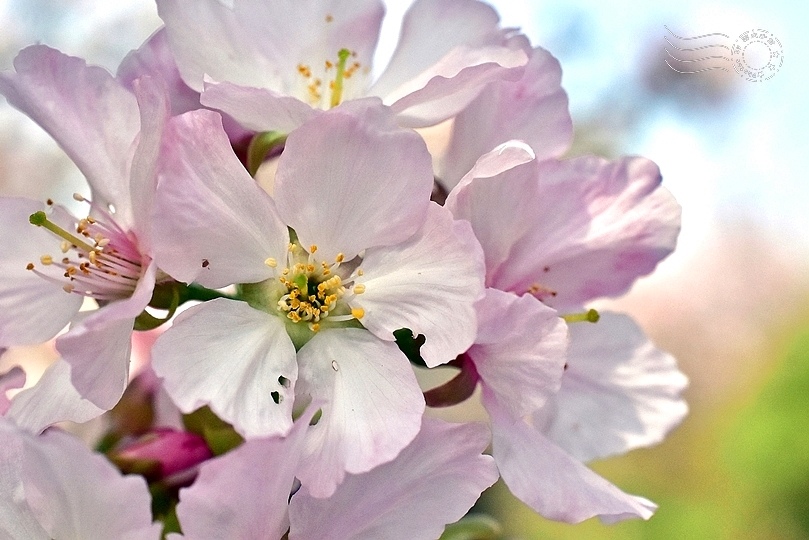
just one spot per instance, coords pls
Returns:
(428, 284)
(520, 350)
(258, 109)
(77, 494)
(551, 482)
(619, 392)
(25, 296)
(10, 380)
(52, 399)
(17, 520)
(532, 109)
(432, 482)
(92, 117)
(209, 209)
(98, 348)
(236, 359)
(372, 405)
(244, 493)
(153, 102)
(262, 43)
(370, 189)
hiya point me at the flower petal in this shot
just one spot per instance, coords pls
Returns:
(551, 482)
(428, 284)
(25, 296)
(92, 117)
(10, 380)
(153, 102)
(532, 109)
(519, 352)
(372, 405)
(571, 231)
(98, 348)
(209, 209)
(261, 44)
(257, 109)
(498, 197)
(52, 399)
(155, 60)
(372, 189)
(618, 393)
(78, 494)
(420, 46)
(449, 86)
(244, 493)
(236, 359)
(398, 499)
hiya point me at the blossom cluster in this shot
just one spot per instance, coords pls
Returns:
(264, 201)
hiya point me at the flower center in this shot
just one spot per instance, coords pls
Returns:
(335, 73)
(100, 259)
(313, 290)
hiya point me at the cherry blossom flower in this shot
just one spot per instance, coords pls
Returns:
(51, 485)
(113, 137)
(568, 232)
(277, 66)
(395, 500)
(368, 255)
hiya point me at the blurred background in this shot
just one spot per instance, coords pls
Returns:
(732, 303)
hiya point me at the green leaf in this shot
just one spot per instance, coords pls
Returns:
(410, 346)
(474, 527)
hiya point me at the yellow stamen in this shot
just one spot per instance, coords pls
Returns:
(357, 313)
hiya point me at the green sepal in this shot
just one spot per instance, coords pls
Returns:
(410, 346)
(474, 527)
(218, 434)
(260, 146)
(147, 321)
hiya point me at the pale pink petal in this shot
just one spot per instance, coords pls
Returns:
(78, 494)
(619, 392)
(551, 482)
(372, 405)
(154, 59)
(532, 109)
(17, 520)
(25, 296)
(244, 493)
(499, 197)
(209, 209)
(420, 47)
(257, 109)
(261, 44)
(98, 348)
(10, 380)
(51, 400)
(372, 189)
(236, 359)
(153, 102)
(428, 284)
(92, 117)
(596, 227)
(519, 352)
(432, 482)
(448, 87)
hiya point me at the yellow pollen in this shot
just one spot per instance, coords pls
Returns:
(314, 327)
(65, 246)
(360, 272)
(359, 288)
(340, 257)
(46, 260)
(271, 262)
(313, 248)
(357, 313)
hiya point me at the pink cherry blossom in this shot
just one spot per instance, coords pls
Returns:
(369, 255)
(277, 66)
(113, 136)
(561, 234)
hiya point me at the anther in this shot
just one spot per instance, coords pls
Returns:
(271, 262)
(29, 266)
(46, 260)
(359, 288)
(358, 313)
(78, 197)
